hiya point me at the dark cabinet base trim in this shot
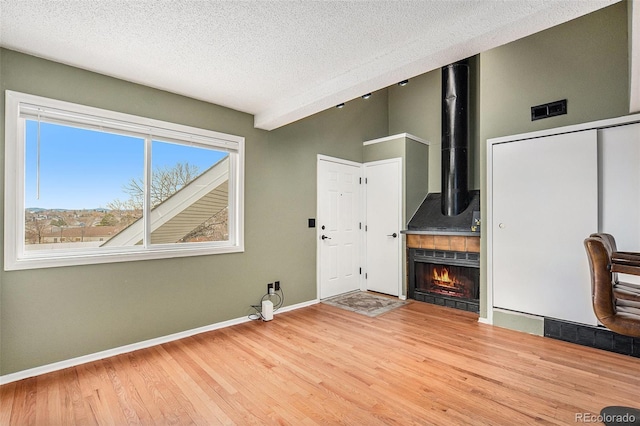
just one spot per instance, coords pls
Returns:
(594, 337)
(450, 302)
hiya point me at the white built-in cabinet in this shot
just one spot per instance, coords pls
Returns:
(546, 192)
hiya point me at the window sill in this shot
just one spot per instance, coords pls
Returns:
(62, 260)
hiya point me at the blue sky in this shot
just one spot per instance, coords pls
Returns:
(86, 169)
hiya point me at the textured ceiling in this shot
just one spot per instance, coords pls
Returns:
(279, 60)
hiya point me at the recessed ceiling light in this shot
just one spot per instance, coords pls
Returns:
(403, 83)
(367, 96)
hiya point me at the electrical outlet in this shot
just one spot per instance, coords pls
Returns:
(276, 285)
(270, 288)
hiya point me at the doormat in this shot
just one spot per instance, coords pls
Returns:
(364, 303)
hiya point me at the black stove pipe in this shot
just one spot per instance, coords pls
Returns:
(455, 138)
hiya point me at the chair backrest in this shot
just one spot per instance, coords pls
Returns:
(602, 296)
(608, 240)
(619, 316)
(610, 244)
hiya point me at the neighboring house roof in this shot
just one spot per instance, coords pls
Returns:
(186, 209)
(79, 231)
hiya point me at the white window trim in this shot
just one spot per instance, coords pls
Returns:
(15, 257)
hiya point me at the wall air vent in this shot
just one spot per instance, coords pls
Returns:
(549, 110)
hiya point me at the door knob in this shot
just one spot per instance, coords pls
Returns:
(394, 235)
(324, 237)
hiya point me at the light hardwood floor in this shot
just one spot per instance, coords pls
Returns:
(419, 364)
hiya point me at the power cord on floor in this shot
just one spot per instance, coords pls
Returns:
(279, 294)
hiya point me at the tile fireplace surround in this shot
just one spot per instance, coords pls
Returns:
(456, 251)
(444, 242)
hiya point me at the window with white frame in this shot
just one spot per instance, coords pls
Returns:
(85, 185)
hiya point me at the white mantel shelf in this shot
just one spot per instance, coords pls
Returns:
(398, 136)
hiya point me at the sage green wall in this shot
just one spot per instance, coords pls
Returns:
(584, 61)
(521, 322)
(292, 156)
(415, 156)
(337, 132)
(48, 315)
(394, 148)
(416, 175)
(292, 176)
(54, 314)
(417, 109)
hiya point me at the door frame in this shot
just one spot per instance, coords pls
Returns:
(400, 221)
(321, 157)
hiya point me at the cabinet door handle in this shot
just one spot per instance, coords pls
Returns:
(324, 237)
(394, 235)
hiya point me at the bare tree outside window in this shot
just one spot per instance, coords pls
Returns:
(35, 230)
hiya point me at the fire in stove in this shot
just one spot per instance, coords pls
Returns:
(442, 279)
(449, 280)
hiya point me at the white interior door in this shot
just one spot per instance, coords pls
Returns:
(382, 225)
(338, 226)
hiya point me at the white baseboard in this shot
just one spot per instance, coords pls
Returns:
(49, 368)
(484, 321)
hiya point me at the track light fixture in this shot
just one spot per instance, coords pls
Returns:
(367, 96)
(340, 105)
(403, 83)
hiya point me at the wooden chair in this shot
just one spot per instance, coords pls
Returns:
(616, 304)
(622, 290)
